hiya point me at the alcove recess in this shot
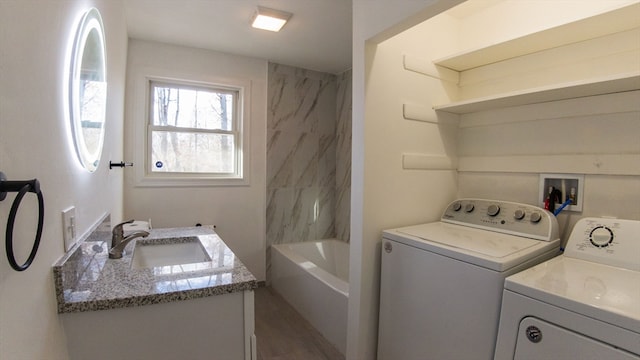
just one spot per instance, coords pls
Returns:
(593, 56)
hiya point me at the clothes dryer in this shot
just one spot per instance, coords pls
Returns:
(583, 305)
(441, 282)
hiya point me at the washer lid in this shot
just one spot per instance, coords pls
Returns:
(484, 248)
(602, 292)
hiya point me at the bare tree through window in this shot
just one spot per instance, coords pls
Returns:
(193, 129)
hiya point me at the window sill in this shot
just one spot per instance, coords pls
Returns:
(189, 181)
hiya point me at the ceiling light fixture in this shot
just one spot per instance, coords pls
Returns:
(270, 19)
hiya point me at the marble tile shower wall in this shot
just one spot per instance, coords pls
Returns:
(302, 163)
(343, 157)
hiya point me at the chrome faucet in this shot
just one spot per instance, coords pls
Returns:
(118, 241)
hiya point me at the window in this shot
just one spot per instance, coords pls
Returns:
(194, 131)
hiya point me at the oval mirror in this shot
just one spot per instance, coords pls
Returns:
(88, 90)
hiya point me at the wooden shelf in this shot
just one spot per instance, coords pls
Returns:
(618, 20)
(589, 87)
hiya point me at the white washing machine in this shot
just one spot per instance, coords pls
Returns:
(582, 305)
(441, 283)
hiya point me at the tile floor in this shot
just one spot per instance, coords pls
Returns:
(282, 333)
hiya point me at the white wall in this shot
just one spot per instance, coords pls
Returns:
(34, 143)
(519, 143)
(237, 211)
(383, 195)
(485, 25)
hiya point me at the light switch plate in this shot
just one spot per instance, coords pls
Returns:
(69, 227)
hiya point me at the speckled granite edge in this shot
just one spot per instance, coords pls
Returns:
(154, 299)
(86, 280)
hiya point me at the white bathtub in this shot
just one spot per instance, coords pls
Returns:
(314, 278)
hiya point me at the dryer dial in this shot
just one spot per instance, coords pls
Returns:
(601, 236)
(606, 241)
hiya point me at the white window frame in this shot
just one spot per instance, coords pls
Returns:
(144, 177)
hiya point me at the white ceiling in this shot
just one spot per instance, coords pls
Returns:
(318, 36)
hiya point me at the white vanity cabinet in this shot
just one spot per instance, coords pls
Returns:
(219, 327)
(112, 309)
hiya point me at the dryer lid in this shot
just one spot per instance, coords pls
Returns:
(602, 292)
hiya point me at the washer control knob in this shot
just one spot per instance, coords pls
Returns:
(469, 208)
(493, 210)
(519, 214)
(601, 236)
(536, 217)
(457, 206)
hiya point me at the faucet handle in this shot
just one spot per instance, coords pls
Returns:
(118, 228)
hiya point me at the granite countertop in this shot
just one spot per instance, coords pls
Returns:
(87, 280)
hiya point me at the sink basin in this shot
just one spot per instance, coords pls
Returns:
(164, 252)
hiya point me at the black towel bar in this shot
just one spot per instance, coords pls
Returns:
(21, 187)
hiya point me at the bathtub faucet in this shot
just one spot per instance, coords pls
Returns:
(118, 241)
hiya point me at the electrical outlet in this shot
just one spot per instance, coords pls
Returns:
(568, 186)
(69, 227)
